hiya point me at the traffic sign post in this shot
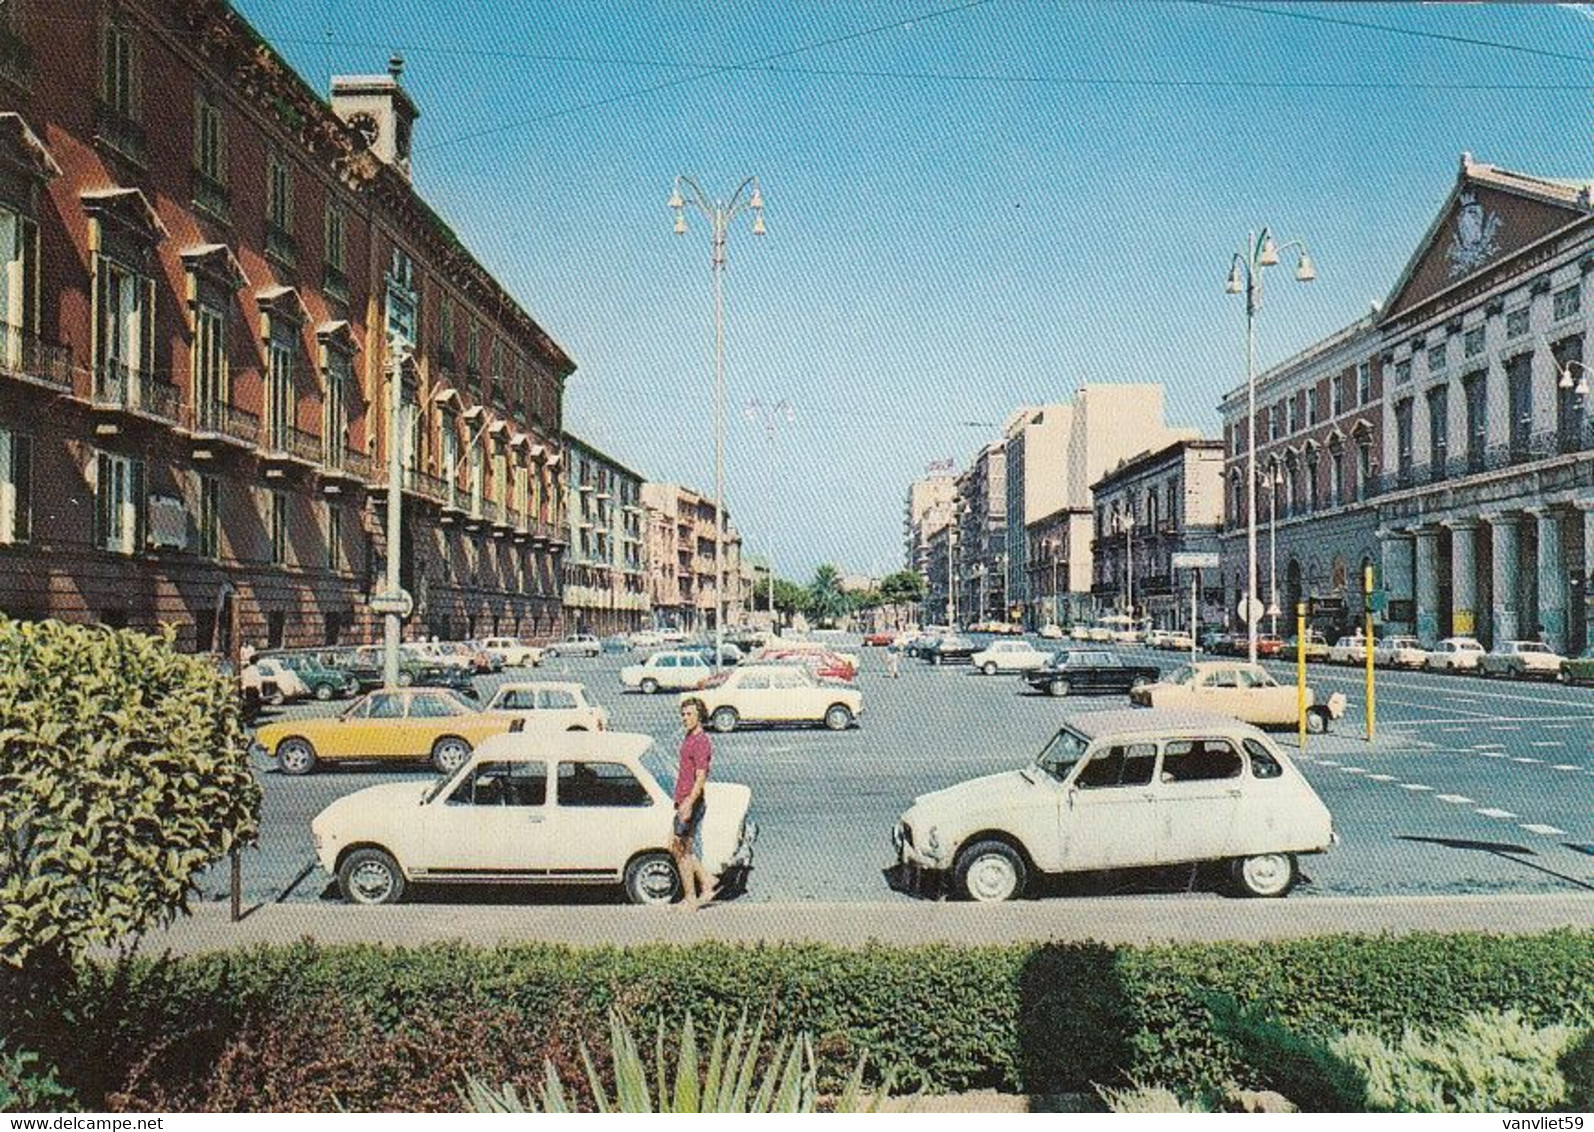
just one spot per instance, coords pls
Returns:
(399, 604)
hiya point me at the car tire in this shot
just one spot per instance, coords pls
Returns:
(989, 872)
(724, 720)
(405, 679)
(323, 692)
(370, 876)
(449, 754)
(296, 756)
(989, 668)
(1139, 682)
(838, 717)
(1057, 688)
(1268, 876)
(651, 878)
(649, 687)
(1317, 721)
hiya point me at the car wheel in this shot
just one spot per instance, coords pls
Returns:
(1139, 682)
(1057, 688)
(649, 687)
(724, 719)
(989, 668)
(1317, 721)
(652, 879)
(323, 692)
(1269, 875)
(989, 872)
(449, 754)
(837, 717)
(296, 756)
(405, 679)
(370, 876)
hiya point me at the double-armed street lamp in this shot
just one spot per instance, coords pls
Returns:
(1245, 276)
(1272, 482)
(1125, 522)
(719, 214)
(1580, 387)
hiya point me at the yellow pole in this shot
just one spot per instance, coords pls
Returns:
(1300, 669)
(1372, 707)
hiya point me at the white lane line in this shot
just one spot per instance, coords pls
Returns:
(1492, 754)
(1547, 830)
(1495, 813)
(1353, 770)
(1456, 799)
(1327, 762)
(1558, 727)
(1525, 759)
(1546, 743)
(1512, 727)
(1465, 700)
(1488, 746)
(1414, 786)
(1455, 730)
(1566, 766)
(1381, 777)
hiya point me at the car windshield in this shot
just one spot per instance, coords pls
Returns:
(1060, 755)
(445, 784)
(1184, 674)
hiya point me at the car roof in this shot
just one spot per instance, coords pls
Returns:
(564, 744)
(534, 685)
(1094, 724)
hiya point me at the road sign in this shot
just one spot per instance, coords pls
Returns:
(400, 603)
(1250, 610)
(1192, 560)
(1319, 606)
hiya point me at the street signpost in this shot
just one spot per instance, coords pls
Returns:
(400, 604)
(1249, 610)
(1195, 562)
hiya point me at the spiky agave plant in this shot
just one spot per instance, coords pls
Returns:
(728, 1083)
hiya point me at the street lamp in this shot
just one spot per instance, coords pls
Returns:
(1052, 545)
(1245, 275)
(720, 215)
(399, 355)
(1272, 483)
(1581, 388)
(1125, 522)
(769, 416)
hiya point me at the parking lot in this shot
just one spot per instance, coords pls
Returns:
(1471, 786)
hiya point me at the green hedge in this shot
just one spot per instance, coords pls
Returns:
(1037, 1019)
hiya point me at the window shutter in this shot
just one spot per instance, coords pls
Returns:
(146, 330)
(28, 252)
(102, 499)
(139, 502)
(22, 488)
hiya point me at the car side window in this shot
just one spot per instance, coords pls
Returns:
(488, 785)
(1119, 766)
(517, 699)
(1263, 764)
(430, 707)
(358, 710)
(665, 662)
(1223, 678)
(754, 681)
(387, 707)
(1200, 760)
(556, 699)
(600, 784)
(785, 680)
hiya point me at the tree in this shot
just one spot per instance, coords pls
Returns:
(905, 587)
(789, 597)
(826, 601)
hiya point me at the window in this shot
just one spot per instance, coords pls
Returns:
(334, 409)
(556, 699)
(19, 286)
(1438, 428)
(335, 242)
(334, 536)
(124, 340)
(1474, 388)
(119, 81)
(1119, 766)
(401, 299)
(1516, 322)
(1437, 357)
(1364, 467)
(1200, 760)
(16, 487)
(209, 517)
(1403, 372)
(1364, 383)
(1519, 383)
(1473, 343)
(473, 348)
(386, 705)
(1336, 392)
(600, 784)
(279, 391)
(1276, 422)
(1565, 303)
(1313, 491)
(209, 155)
(1403, 437)
(277, 520)
(1311, 405)
(431, 706)
(1263, 764)
(1336, 474)
(118, 503)
(209, 361)
(1294, 414)
(503, 784)
(279, 191)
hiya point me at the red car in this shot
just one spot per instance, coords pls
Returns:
(825, 665)
(1269, 645)
(879, 640)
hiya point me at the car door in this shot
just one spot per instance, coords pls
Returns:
(794, 695)
(604, 814)
(751, 696)
(380, 733)
(1198, 793)
(690, 671)
(1109, 817)
(557, 707)
(494, 823)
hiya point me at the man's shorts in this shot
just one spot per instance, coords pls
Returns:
(691, 830)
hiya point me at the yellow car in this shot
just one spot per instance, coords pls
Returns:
(406, 723)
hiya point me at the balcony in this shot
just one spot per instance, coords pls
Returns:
(117, 131)
(16, 60)
(214, 423)
(211, 196)
(284, 445)
(118, 389)
(334, 284)
(280, 245)
(341, 464)
(27, 357)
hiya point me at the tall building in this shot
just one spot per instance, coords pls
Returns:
(1037, 486)
(605, 568)
(205, 263)
(930, 507)
(680, 559)
(981, 554)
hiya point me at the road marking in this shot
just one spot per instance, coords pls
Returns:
(1455, 730)
(1492, 754)
(1557, 727)
(1381, 777)
(1495, 813)
(1353, 769)
(1414, 786)
(1566, 766)
(1327, 762)
(1525, 759)
(1456, 799)
(1547, 830)
(1489, 747)
(1546, 743)
(1512, 727)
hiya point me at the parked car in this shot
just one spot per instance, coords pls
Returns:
(675, 670)
(550, 704)
(1523, 660)
(574, 809)
(1079, 631)
(645, 639)
(1456, 654)
(1083, 671)
(730, 655)
(951, 650)
(1177, 640)
(273, 682)
(479, 659)
(1118, 789)
(1214, 641)
(1399, 652)
(878, 640)
(1348, 650)
(920, 644)
(320, 681)
(1248, 692)
(513, 652)
(403, 724)
(1579, 669)
(615, 643)
(366, 666)
(1008, 656)
(1268, 644)
(1051, 632)
(576, 644)
(436, 652)
(1316, 646)
(778, 693)
(824, 665)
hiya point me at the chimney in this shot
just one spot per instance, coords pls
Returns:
(380, 110)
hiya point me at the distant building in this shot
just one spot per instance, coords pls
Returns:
(680, 559)
(981, 528)
(1037, 485)
(930, 507)
(605, 569)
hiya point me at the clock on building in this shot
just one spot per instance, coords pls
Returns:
(366, 126)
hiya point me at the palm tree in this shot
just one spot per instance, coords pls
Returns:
(826, 602)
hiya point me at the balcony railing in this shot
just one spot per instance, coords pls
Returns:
(1526, 449)
(16, 59)
(292, 442)
(116, 386)
(212, 196)
(424, 484)
(221, 419)
(119, 131)
(26, 355)
(280, 245)
(337, 457)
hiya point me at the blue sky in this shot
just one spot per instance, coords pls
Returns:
(971, 205)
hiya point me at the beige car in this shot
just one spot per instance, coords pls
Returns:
(1245, 691)
(778, 693)
(550, 704)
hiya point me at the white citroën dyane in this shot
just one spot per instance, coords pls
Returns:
(561, 808)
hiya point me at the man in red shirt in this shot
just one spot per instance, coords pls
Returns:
(691, 787)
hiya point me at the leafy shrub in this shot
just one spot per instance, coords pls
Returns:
(1491, 1062)
(27, 1085)
(1304, 1069)
(1149, 1098)
(125, 773)
(1577, 1068)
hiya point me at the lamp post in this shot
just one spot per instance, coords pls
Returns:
(1052, 545)
(399, 353)
(1245, 275)
(1125, 522)
(769, 416)
(1273, 482)
(720, 215)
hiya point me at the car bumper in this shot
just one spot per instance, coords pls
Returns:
(743, 857)
(909, 854)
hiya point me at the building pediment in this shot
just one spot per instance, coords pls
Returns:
(21, 148)
(1490, 216)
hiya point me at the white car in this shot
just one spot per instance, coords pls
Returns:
(1079, 631)
(552, 704)
(1100, 633)
(673, 671)
(778, 693)
(1348, 650)
(1008, 656)
(645, 639)
(1244, 691)
(1177, 640)
(576, 644)
(1456, 654)
(433, 652)
(512, 653)
(1525, 660)
(558, 808)
(1051, 632)
(274, 681)
(1400, 652)
(1124, 789)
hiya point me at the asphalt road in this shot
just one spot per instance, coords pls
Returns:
(1471, 786)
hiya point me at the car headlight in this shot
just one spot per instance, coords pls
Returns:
(932, 843)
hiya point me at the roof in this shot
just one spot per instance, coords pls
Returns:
(530, 685)
(571, 744)
(1094, 724)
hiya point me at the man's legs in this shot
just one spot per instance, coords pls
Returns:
(687, 868)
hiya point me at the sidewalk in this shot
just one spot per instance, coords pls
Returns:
(1124, 920)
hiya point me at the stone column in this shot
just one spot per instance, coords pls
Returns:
(1395, 550)
(1552, 579)
(1463, 577)
(1506, 550)
(1428, 585)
